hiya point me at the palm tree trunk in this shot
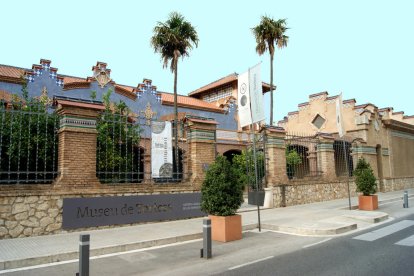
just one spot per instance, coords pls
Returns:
(271, 89)
(176, 119)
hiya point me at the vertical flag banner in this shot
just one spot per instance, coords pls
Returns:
(243, 100)
(256, 94)
(339, 122)
(161, 150)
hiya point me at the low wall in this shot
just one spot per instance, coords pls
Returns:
(304, 192)
(397, 184)
(37, 210)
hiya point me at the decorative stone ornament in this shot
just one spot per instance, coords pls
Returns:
(101, 74)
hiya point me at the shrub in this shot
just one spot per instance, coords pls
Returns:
(364, 178)
(222, 190)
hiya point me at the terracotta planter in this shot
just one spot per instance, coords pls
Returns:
(225, 229)
(368, 203)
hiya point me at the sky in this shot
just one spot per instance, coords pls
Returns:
(363, 49)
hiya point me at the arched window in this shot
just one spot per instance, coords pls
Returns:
(230, 154)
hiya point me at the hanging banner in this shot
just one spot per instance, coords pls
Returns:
(256, 94)
(339, 122)
(161, 150)
(243, 100)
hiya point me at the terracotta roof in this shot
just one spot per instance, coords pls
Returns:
(70, 79)
(202, 121)
(226, 80)
(222, 81)
(185, 101)
(11, 74)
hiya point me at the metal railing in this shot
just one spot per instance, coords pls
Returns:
(301, 156)
(124, 151)
(28, 143)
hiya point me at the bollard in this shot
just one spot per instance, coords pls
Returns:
(206, 239)
(405, 204)
(84, 255)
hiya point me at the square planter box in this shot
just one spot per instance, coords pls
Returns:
(227, 228)
(368, 203)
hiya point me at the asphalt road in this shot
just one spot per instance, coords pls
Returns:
(384, 250)
(387, 249)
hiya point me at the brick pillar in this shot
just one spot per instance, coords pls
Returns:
(202, 147)
(77, 143)
(276, 156)
(326, 157)
(313, 162)
(147, 166)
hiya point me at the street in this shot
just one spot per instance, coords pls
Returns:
(385, 249)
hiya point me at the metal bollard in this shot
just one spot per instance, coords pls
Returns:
(84, 241)
(405, 204)
(206, 239)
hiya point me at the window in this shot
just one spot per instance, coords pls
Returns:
(318, 121)
(219, 93)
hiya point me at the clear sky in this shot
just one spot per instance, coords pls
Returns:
(364, 49)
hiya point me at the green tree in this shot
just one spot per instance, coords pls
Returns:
(292, 160)
(222, 190)
(269, 33)
(28, 140)
(118, 139)
(173, 39)
(365, 178)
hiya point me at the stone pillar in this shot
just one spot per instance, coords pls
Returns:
(326, 157)
(276, 156)
(77, 143)
(202, 147)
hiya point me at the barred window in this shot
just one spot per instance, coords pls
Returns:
(219, 93)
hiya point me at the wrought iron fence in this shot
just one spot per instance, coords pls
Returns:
(301, 156)
(343, 158)
(28, 143)
(124, 150)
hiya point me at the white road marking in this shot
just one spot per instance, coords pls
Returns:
(252, 262)
(94, 257)
(385, 231)
(316, 243)
(407, 242)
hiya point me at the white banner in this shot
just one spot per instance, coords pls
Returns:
(256, 94)
(161, 150)
(243, 100)
(339, 122)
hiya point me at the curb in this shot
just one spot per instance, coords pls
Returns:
(310, 231)
(95, 251)
(73, 255)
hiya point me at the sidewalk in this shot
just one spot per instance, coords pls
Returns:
(324, 218)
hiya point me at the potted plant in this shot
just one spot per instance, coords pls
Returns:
(365, 183)
(221, 196)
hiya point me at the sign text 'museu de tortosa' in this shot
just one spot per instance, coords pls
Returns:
(99, 211)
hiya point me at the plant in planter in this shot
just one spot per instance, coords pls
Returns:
(221, 196)
(365, 182)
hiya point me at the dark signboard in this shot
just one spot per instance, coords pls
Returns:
(99, 211)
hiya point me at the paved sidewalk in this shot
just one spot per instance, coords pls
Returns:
(324, 218)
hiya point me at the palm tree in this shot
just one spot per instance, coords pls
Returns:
(268, 33)
(174, 38)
